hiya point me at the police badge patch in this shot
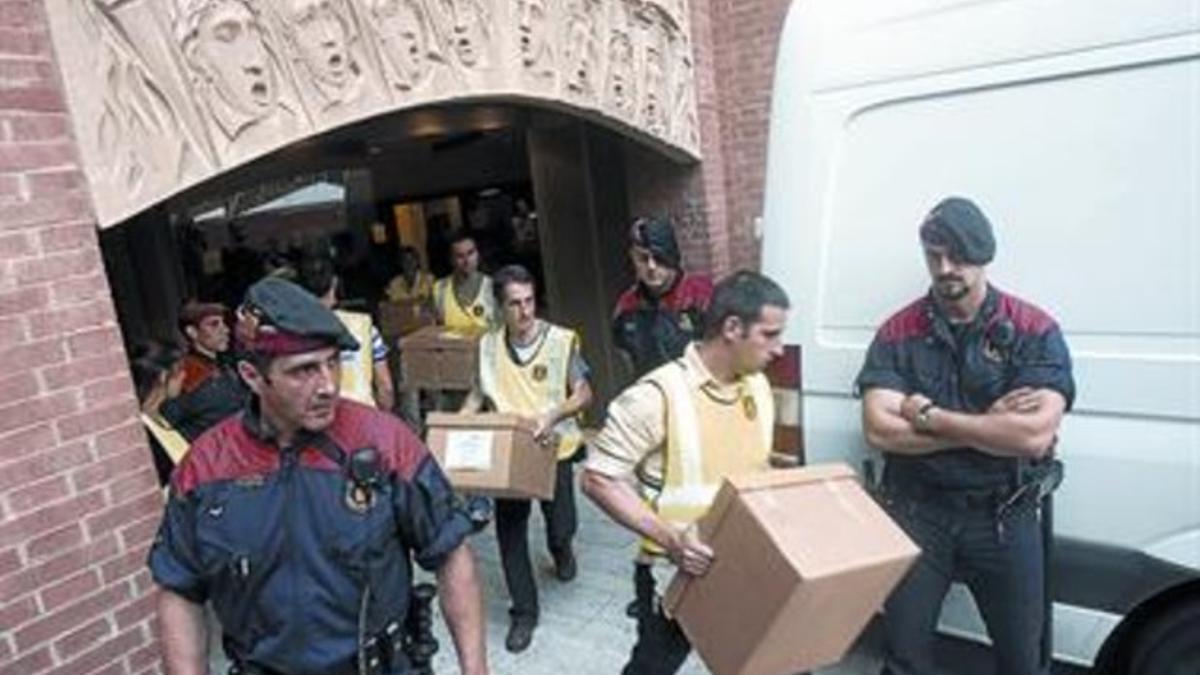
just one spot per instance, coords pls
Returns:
(749, 407)
(539, 372)
(359, 498)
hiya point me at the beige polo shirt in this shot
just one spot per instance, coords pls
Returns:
(631, 443)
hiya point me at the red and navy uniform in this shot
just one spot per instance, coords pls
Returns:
(1010, 344)
(276, 541)
(656, 329)
(947, 501)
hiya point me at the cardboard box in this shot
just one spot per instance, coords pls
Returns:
(491, 454)
(438, 358)
(398, 318)
(804, 558)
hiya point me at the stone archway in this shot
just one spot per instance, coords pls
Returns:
(168, 94)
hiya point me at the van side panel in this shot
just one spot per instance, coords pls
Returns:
(1081, 141)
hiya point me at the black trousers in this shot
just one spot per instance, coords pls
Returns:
(661, 646)
(512, 533)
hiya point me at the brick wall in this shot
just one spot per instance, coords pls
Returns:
(716, 202)
(78, 497)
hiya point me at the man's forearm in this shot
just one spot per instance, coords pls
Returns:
(581, 396)
(183, 633)
(462, 605)
(1005, 434)
(616, 498)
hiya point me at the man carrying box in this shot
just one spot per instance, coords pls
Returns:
(533, 368)
(676, 433)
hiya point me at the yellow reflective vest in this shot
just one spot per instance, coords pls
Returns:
(478, 314)
(707, 439)
(533, 388)
(358, 367)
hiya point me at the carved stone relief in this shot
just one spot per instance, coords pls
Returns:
(166, 93)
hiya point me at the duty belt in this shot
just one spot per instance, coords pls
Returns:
(381, 654)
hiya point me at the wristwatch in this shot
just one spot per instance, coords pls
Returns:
(923, 417)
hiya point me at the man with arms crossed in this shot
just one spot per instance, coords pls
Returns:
(963, 390)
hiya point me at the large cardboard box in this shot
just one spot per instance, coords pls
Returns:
(491, 454)
(804, 558)
(438, 358)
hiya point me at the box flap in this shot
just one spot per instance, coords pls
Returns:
(478, 421)
(765, 480)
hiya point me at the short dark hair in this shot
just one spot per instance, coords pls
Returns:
(316, 275)
(510, 274)
(742, 294)
(148, 361)
(462, 234)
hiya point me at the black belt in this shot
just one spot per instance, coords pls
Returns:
(985, 499)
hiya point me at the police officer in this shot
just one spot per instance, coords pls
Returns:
(963, 390)
(656, 318)
(660, 314)
(297, 519)
(533, 368)
(670, 439)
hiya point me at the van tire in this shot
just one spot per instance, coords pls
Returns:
(1167, 643)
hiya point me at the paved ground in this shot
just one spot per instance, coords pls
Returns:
(584, 630)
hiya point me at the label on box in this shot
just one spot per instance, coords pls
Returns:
(468, 450)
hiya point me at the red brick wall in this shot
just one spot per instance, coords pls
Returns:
(735, 42)
(78, 497)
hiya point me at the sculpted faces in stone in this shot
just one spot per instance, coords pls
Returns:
(618, 85)
(684, 123)
(140, 139)
(468, 31)
(402, 29)
(234, 73)
(654, 76)
(320, 30)
(580, 57)
(533, 35)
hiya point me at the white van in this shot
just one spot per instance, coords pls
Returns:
(1075, 125)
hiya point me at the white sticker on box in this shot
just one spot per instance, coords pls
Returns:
(468, 450)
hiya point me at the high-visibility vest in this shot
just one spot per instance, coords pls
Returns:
(421, 288)
(172, 442)
(478, 314)
(532, 388)
(358, 367)
(708, 439)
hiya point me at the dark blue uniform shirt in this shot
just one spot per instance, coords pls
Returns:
(278, 543)
(1010, 344)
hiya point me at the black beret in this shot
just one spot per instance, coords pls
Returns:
(959, 225)
(290, 309)
(658, 236)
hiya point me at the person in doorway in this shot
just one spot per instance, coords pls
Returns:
(366, 377)
(413, 284)
(204, 327)
(656, 318)
(964, 390)
(464, 300)
(533, 368)
(157, 377)
(210, 390)
(298, 519)
(712, 408)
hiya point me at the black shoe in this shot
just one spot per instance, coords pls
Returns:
(564, 565)
(520, 634)
(632, 610)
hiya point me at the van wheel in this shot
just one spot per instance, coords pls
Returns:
(1168, 644)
